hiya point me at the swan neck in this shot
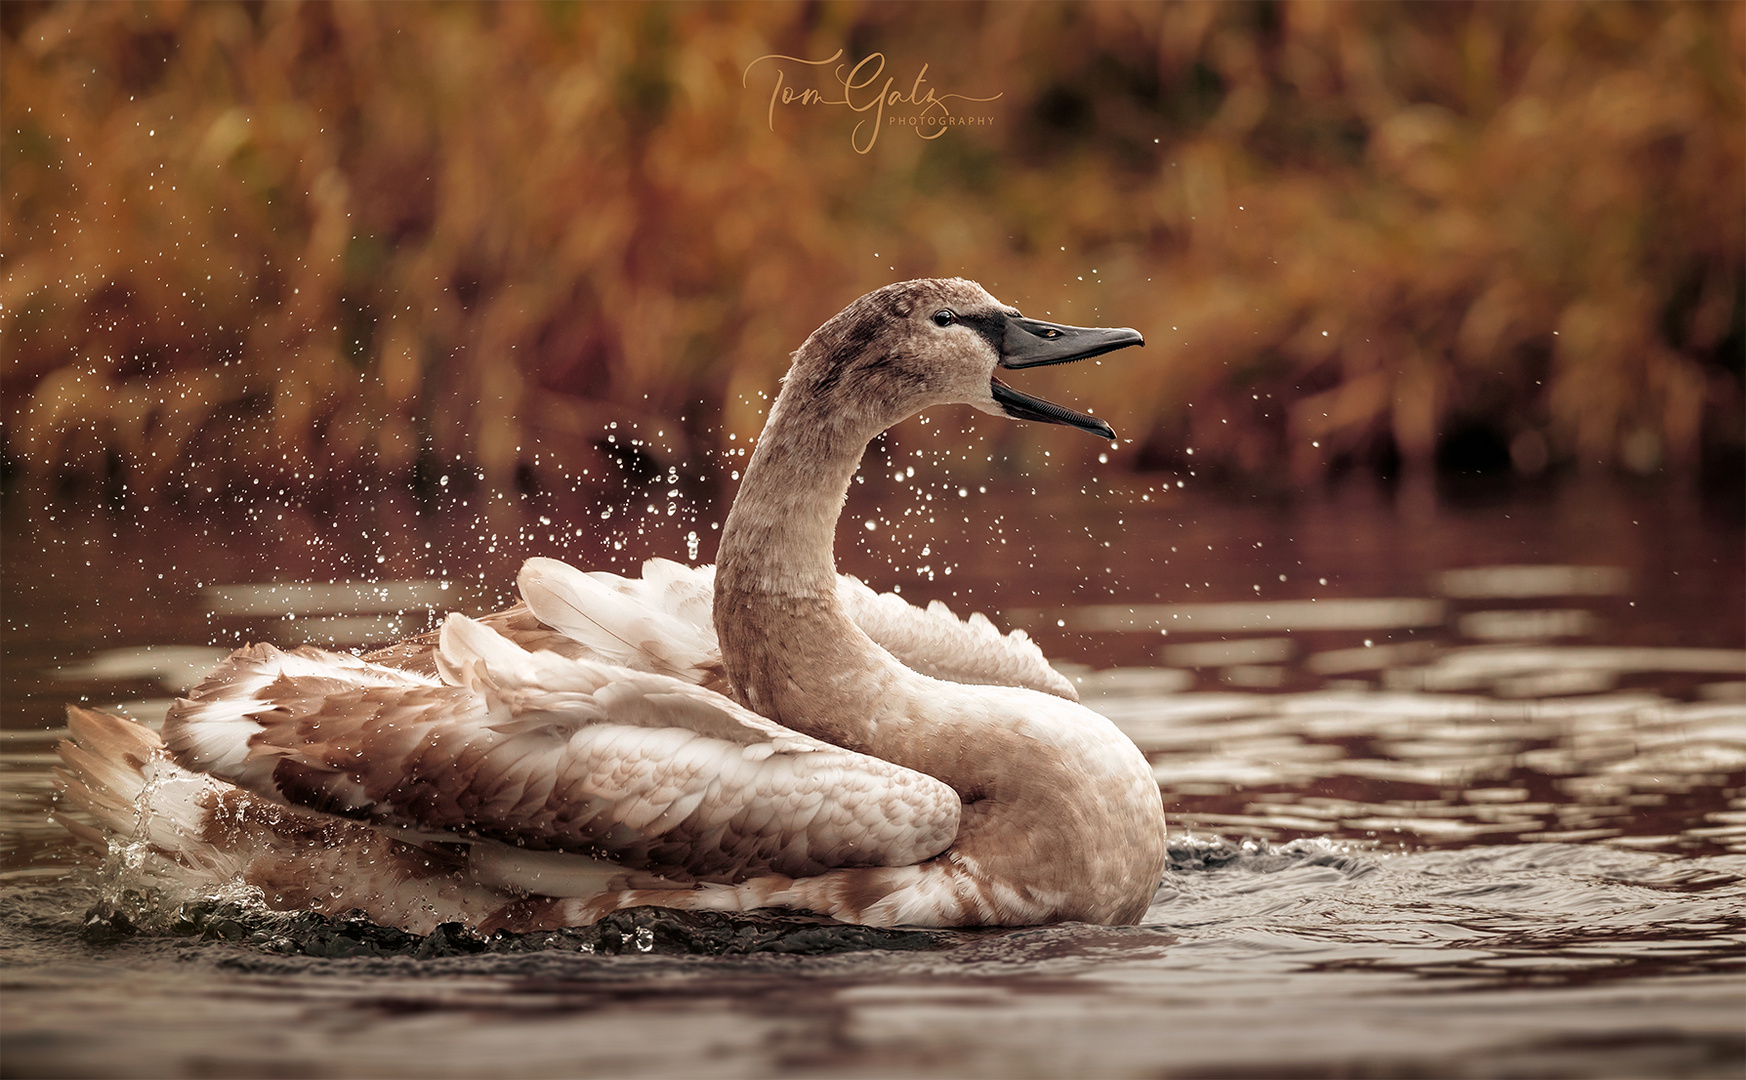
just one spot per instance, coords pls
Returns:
(779, 535)
(787, 646)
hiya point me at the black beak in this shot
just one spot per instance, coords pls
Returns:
(1030, 343)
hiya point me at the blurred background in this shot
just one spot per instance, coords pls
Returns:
(1424, 538)
(296, 244)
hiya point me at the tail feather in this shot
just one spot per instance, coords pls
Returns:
(82, 832)
(104, 769)
(189, 835)
(113, 735)
(117, 771)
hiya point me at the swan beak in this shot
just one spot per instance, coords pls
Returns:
(1032, 343)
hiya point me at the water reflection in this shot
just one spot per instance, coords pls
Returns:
(1637, 769)
(1303, 959)
(1437, 807)
(340, 613)
(1277, 615)
(304, 598)
(1517, 582)
(173, 667)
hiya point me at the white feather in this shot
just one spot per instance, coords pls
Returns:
(622, 628)
(662, 622)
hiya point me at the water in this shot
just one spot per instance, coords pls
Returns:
(1457, 787)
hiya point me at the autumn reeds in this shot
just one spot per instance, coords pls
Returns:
(285, 243)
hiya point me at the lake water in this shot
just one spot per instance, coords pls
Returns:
(1456, 780)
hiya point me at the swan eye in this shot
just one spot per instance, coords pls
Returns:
(944, 318)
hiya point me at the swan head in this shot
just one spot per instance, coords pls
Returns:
(936, 341)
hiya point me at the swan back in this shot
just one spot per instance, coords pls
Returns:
(544, 751)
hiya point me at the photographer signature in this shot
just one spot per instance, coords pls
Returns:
(931, 118)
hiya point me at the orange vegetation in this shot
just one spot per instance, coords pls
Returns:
(286, 242)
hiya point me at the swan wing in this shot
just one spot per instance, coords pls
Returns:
(663, 622)
(418, 654)
(547, 752)
(659, 622)
(935, 642)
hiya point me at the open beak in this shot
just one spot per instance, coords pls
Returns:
(1031, 343)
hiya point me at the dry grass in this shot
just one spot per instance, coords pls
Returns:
(287, 243)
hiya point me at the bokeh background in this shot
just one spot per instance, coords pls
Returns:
(317, 319)
(292, 244)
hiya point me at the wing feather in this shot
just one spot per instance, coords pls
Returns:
(628, 627)
(547, 752)
(663, 622)
(937, 643)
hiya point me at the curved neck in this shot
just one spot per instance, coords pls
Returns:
(788, 647)
(779, 534)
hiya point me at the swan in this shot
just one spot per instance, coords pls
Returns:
(760, 734)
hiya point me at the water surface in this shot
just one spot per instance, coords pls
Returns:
(1457, 787)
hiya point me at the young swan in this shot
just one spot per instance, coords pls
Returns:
(465, 777)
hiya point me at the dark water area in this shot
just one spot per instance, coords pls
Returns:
(1456, 781)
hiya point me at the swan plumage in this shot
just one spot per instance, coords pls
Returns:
(761, 733)
(662, 621)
